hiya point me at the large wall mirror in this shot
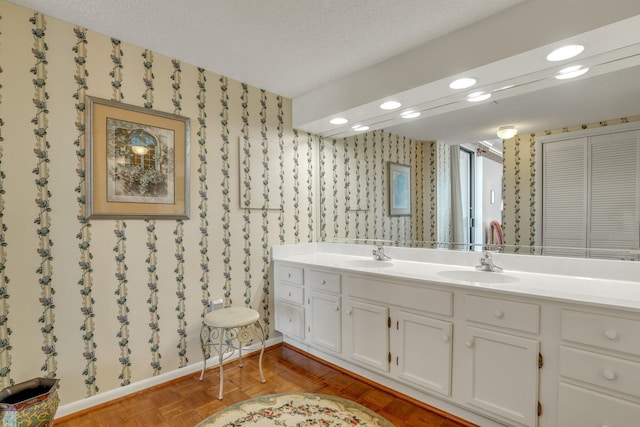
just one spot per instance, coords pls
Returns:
(354, 187)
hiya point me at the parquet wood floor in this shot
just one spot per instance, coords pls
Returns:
(186, 401)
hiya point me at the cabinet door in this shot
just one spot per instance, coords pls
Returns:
(368, 340)
(501, 374)
(325, 325)
(424, 351)
(290, 319)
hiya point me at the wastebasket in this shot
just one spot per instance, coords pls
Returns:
(31, 403)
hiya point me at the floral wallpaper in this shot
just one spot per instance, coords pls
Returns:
(354, 188)
(519, 181)
(103, 304)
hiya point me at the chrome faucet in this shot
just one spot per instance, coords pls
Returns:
(378, 254)
(486, 263)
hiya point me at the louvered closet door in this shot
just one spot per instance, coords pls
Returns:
(614, 191)
(564, 194)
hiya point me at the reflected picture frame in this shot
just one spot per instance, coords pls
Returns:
(399, 178)
(136, 162)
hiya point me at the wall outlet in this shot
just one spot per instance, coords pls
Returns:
(216, 304)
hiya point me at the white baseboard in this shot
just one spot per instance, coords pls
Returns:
(99, 399)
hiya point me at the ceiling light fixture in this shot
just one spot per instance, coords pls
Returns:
(462, 83)
(338, 121)
(565, 52)
(360, 128)
(478, 96)
(507, 132)
(410, 114)
(140, 150)
(390, 105)
(571, 72)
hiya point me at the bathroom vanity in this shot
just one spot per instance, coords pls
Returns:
(546, 342)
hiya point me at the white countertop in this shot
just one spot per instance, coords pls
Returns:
(600, 291)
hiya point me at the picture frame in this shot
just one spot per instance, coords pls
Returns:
(399, 178)
(136, 162)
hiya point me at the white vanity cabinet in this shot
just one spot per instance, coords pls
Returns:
(324, 327)
(289, 300)
(473, 350)
(599, 383)
(500, 368)
(389, 329)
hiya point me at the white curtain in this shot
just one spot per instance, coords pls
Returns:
(458, 234)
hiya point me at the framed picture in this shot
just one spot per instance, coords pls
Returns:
(399, 189)
(137, 162)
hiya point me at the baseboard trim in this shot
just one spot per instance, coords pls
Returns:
(74, 409)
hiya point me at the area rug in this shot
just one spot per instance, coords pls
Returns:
(295, 410)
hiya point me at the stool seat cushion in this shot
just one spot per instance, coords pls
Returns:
(231, 317)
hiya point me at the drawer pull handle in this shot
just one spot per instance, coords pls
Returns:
(469, 343)
(289, 294)
(499, 314)
(322, 282)
(445, 338)
(609, 375)
(288, 274)
(611, 334)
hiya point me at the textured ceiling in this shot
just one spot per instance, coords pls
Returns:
(288, 47)
(344, 56)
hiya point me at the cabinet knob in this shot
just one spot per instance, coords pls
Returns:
(322, 282)
(609, 375)
(445, 338)
(611, 334)
(350, 312)
(499, 314)
(336, 308)
(288, 274)
(288, 294)
(469, 343)
(290, 320)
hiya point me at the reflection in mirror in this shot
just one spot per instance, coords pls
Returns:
(355, 167)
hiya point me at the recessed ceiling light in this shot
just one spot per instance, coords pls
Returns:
(390, 105)
(462, 83)
(360, 128)
(571, 72)
(410, 114)
(565, 52)
(338, 121)
(478, 96)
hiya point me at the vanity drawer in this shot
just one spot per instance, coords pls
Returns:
(291, 274)
(515, 315)
(578, 407)
(290, 319)
(611, 333)
(600, 370)
(290, 293)
(408, 296)
(325, 281)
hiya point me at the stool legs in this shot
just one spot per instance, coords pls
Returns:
(208, 335)
(222, 334)
(262, 336)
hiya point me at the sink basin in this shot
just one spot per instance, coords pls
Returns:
(368, 263)
(478, 276)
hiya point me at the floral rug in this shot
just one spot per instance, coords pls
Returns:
(295, 410)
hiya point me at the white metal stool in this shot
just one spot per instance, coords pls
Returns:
(227, 330)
